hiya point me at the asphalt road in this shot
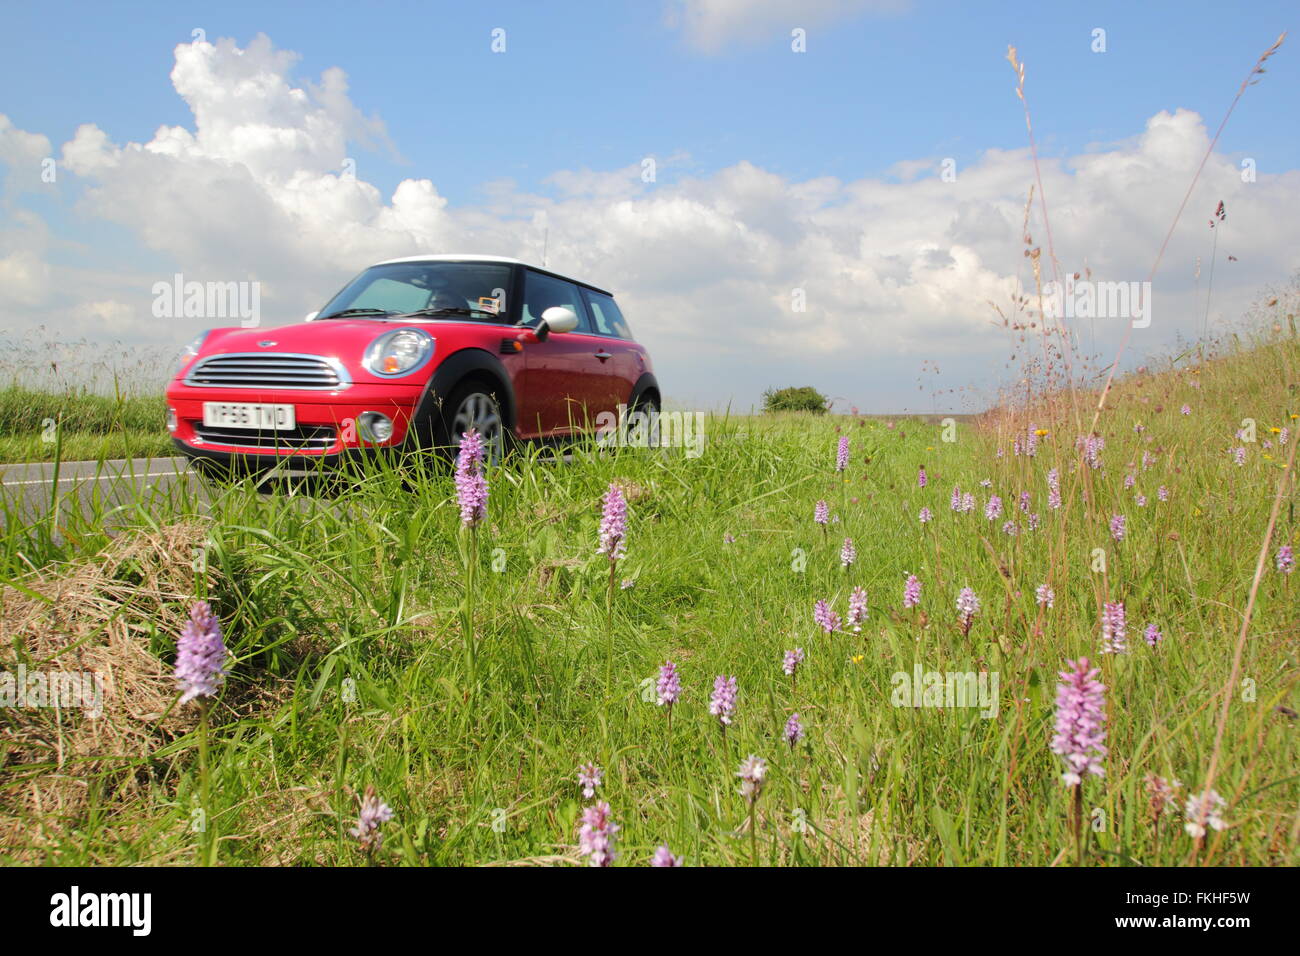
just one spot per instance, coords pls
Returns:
(29, 490)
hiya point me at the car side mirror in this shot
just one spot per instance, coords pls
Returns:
(310, 316)
(560, 318)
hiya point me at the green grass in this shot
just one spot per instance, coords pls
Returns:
(344, 612)
(34, 423)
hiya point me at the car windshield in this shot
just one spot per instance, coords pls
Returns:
(473, 290)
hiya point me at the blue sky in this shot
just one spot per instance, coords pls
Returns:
(596, 87)
(601, 84)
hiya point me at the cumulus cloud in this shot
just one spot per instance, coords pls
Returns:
(711, 269)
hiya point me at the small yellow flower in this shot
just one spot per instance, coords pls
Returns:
(1040, 432)
(857, 658)
(1294, 416)
(1275, 430)
(1267, 456)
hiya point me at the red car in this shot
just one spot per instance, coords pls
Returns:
(412, 353)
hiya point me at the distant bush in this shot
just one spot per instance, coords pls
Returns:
(806, 399)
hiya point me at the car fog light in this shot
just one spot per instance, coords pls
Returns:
(374, 427)
(171, 419)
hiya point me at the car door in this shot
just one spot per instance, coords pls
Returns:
(625, 363)
(566, 382)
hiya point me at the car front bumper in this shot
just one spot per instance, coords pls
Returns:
(326, 425)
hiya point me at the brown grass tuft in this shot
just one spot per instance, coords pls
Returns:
(102, 616)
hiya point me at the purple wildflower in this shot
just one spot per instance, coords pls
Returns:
(1202, 810)
(1162, 493)
(848, 553)
(1114, 629)
(793, 731)
(664, 857)
(822, 513)
(1024, 501)
(1152, 635)
(1092, 448)
(842, 454)
(994, 508)
(1163, 793)
(825, 618)
(857, 608)
(669, 686)
(1285, 559)
(1045, 596)
(597, 834)
(752, 772)
(912, 591)
(613, 524)
(968, 605)
(373, 813)
(722, 704)
(1053, 489)
(200, 655)
(471, 483)
(1186, 409)
(956, 498)
(1117, 523)
(921, 479)
(925, 515)
(589, 778)
(1080, 722)
(967, 503)
(792, 660)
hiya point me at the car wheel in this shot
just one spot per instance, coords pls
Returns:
(472, 406)
(647, 405)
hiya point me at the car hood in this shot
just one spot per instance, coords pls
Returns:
(342, 339)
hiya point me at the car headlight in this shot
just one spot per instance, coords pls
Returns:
(191, 351)
(400, 352)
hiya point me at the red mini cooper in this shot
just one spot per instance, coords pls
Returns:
(412, 353)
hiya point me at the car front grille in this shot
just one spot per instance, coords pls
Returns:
(268, 370)
(303, 438)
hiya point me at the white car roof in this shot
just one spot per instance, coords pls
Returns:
(475, 257)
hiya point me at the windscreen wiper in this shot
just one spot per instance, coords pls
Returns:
(343, 312)
(454, 310)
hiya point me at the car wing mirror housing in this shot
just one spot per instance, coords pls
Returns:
(560, 318)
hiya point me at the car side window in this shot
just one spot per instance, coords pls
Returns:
(542, 292)
(607, 316)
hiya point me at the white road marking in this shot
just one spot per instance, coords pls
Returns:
(46, 481)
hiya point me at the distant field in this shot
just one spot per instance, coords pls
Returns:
(37, 424)
(346, 616)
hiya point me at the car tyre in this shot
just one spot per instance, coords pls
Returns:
(472, 404)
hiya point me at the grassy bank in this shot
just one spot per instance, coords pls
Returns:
(345, 616)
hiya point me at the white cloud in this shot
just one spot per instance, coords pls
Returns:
(892, 271)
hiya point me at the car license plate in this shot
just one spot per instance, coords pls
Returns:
(248, 415)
